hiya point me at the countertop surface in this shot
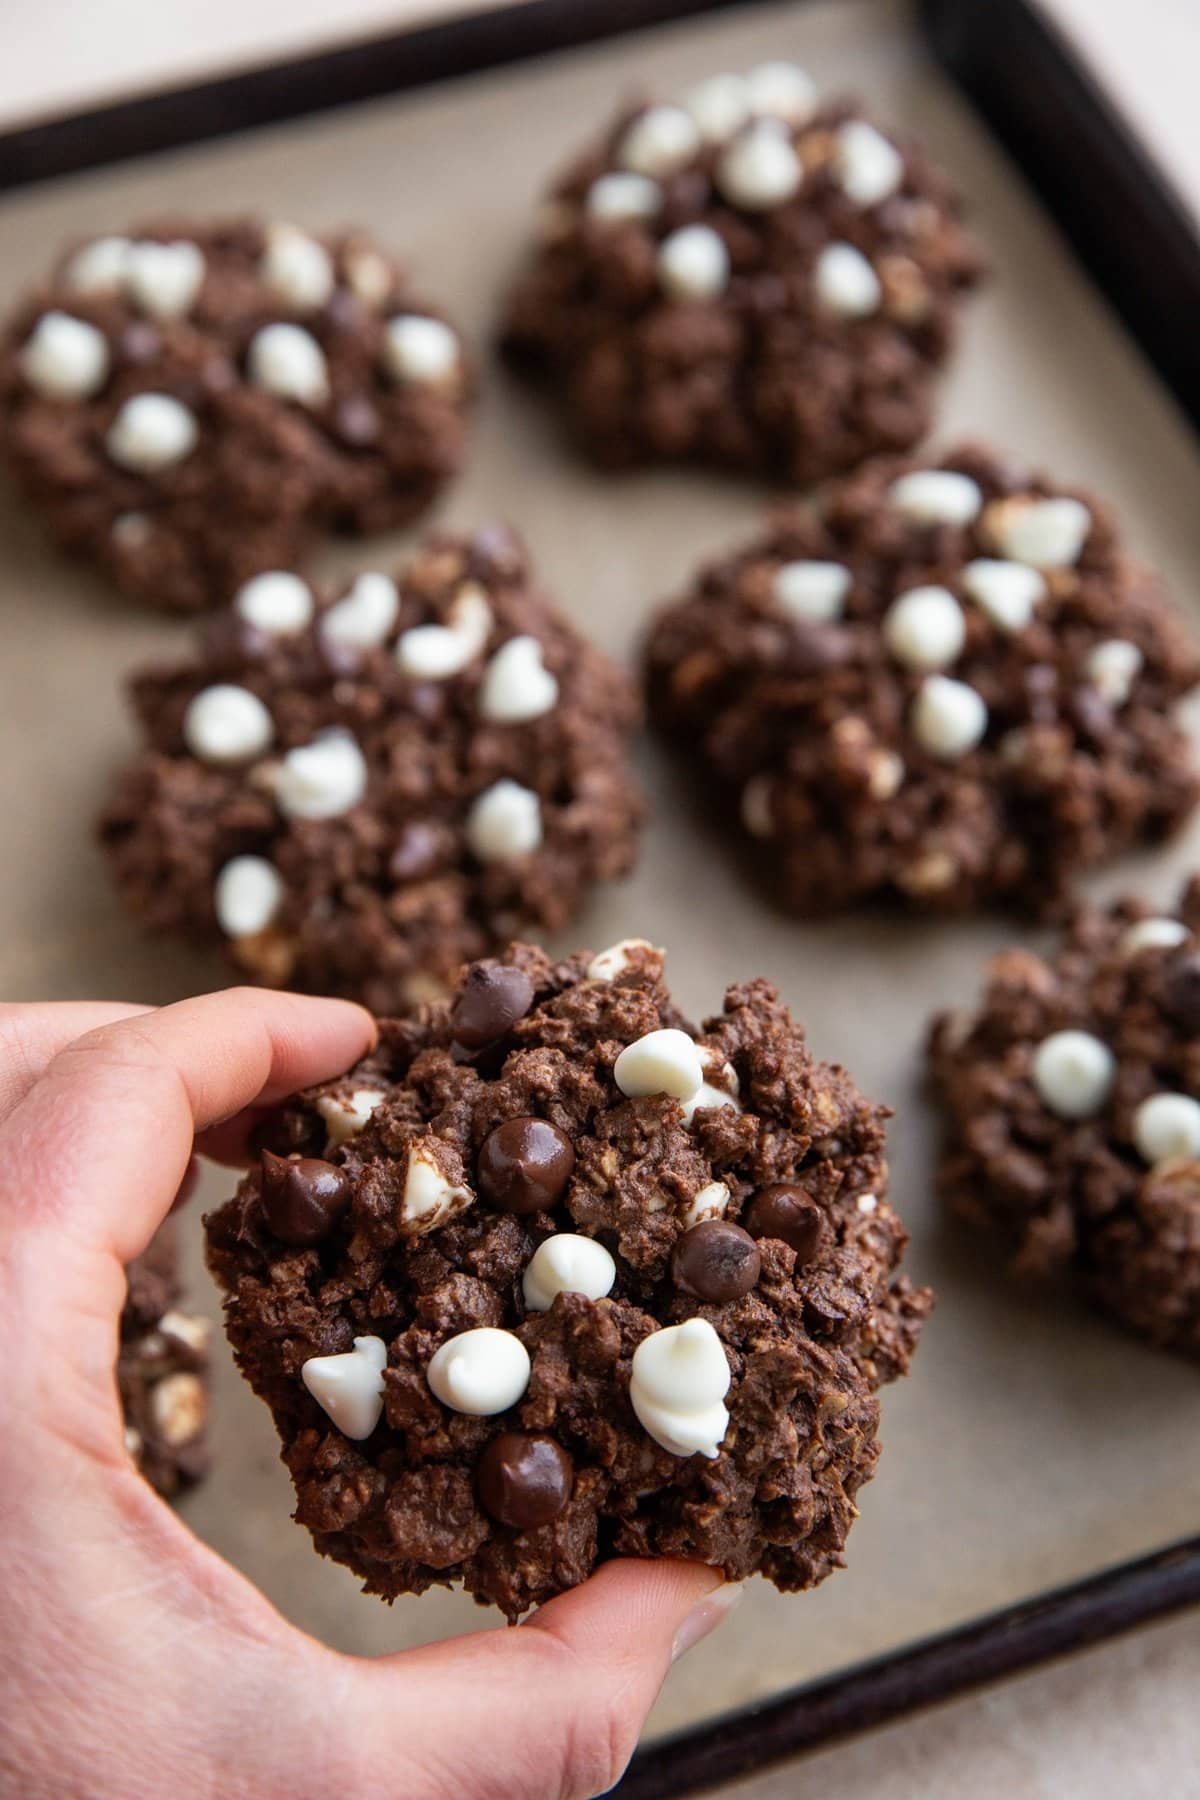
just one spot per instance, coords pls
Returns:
(1121, 1720)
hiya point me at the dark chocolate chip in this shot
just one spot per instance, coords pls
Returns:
(419, 850)
(230, 640)
(356, 421)
(138, 343)
(496, 553)
(1181, 999)
(492, 998)
(524, 1480)
(789, 1214)
(525, 1164)
(302, 1201)
(1092, 714)
(715, 1260)
(814, 649)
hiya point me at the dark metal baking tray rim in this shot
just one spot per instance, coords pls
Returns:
(1110, 202)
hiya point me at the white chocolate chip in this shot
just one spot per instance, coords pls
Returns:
(782, 90)
(369, 276)
(100, 267)
(755, 807)
(247, 896)
(346, 1115)
(567, 1264)
(287, 361)
(606, 965)
(707, 1094)
(429, 1199)
(517, 685)
(65, 358)
(709, 1202)
(227, 724)
(661, 1062)
(350, 1387)
(1166, 1128)
(1073, 1073)
(420, 350)
(1047, 533)
(1153, 934)
(678, 1380)
(846, 283)
(814, 592)
(188, 1329)
(435, 652)
(323, 779)
(504, 821)
(621, 196)
(760, 169)
(868, 167)
(480, 1372)
(948, 718)
(925, 628)
(659, 141)
(719, 106)
(164, 279)
(867, 1204)
(1113, 667)
(150, 432)
(1007, 592)
(937, 497)
(693, 263)
(179, 1409)
(366, 615)
(297, 268)
(276, 602)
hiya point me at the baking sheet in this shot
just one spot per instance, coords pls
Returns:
(1033, 1444)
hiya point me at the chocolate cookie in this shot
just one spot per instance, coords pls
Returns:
(946, 684)
(550, 1277)
(195, 403)
(355, 793)
(162, 1372)
(751, 277)
(1073, 1122)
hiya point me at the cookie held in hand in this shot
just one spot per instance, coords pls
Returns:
(749, 277)
(197, 402)
(552, 1277)
(356, 792)
(1072, 1096)
(945, 684)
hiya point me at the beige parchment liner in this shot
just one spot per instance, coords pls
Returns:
(1032, 1444)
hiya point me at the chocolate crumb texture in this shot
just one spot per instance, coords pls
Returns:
(196, 402)
(553, 1276)
(946, 684)
(162, 1372)
(1072, 1102)
(748, 276)
(355, 791)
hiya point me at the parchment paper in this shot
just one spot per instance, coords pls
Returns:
(1033, 1443)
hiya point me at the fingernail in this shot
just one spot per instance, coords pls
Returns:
(706, 1617)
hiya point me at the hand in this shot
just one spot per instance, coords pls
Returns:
(133, 1661)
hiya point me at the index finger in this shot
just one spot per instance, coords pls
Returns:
(99, 1145)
